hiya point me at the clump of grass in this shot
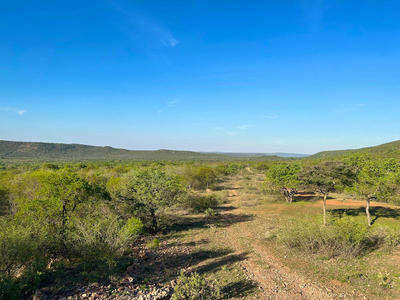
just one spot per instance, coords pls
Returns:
(196, 287)
(154, 244)
(344, 237)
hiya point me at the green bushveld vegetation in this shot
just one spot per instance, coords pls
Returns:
(86, 214)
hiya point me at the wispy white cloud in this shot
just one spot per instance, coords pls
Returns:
(231, 133)
(18, 111)
(243, 127)
(151, 27)
(344, 108)
(270, 117)
(169, 104)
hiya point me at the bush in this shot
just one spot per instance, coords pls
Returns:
(196, 287)
(19, 247)
(200, 203)
(342, 237)
(96, 241)
(23, 251)
(210, 212)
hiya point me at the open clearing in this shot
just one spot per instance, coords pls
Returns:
(237, 248)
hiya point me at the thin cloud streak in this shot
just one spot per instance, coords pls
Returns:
(152, 27)
(243, 127)
(270, 117)
(20, 112)
(344, 108)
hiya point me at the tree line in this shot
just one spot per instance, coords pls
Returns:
(359, 175)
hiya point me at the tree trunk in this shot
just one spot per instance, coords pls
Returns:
(367, 211)
(154, 219)
(325, 196)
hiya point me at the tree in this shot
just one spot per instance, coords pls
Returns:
(55, 199)
(285, 178)
(375, 179)
(324, 178)
(150, 189)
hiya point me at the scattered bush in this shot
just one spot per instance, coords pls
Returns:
(196, 287)
(342, 237)
(199, 203)
(96, 241)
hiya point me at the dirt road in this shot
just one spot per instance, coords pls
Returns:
(275, 280)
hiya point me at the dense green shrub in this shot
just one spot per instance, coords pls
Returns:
(196, 287)
(23, 252)
(93, 240)
(342, 237)
(199, 203)
(20, 246)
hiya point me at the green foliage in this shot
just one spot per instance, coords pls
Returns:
(376, 179)
(387, 150)
(199, 177)
(196, 287)
(284, 177)
(54, 201)
(199, 203)
(210, 212)
(154, 244)
(4, 202)
(326, 176)
(23, 250)
(343, 237)
(95, 241)
(150, 189)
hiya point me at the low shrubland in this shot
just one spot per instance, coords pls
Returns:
(345, 237)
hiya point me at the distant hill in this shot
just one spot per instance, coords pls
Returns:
(391, 149)
(244, 154)
(53, 151)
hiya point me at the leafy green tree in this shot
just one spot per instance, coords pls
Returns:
(285, 177)
(55, 199)
(151, 189)
(325, 177)
(375, 179)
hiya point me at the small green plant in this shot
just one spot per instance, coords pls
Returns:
(210, 212)
(384, 280)
(154, 244)
(196, 287)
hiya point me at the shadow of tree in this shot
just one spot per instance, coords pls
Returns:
(205, 222)
(239, 289)
(376, 211)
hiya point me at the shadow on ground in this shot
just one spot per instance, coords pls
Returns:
(375, 211)
(194, 222)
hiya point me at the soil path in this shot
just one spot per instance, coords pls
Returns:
(275, 280)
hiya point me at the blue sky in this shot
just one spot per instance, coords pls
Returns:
(238, 76)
